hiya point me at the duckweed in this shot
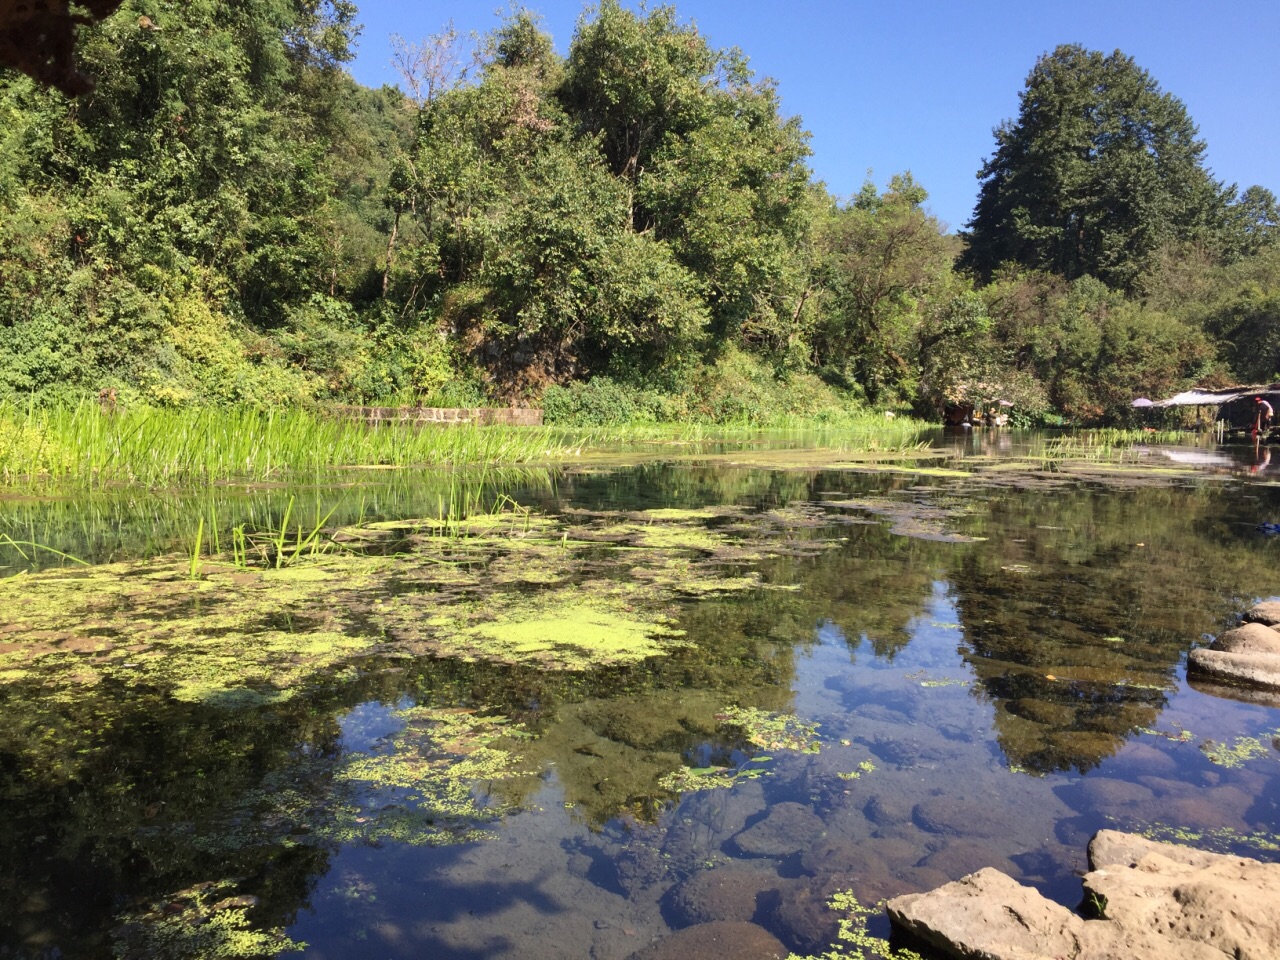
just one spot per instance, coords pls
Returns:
(853, 940)
(201, 922)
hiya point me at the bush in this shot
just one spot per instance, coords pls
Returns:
(602, 401)
(738, 389)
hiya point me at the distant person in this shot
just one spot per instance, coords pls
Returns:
(1265, 413)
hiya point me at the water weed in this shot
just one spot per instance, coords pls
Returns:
(156, 446)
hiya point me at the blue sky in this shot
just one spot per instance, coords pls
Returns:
(919, 85)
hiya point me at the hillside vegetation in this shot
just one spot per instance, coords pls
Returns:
(629, 232)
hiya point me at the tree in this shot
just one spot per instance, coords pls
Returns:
(713, 170)
(1255, 221)
(1099, 170)
(880, 257)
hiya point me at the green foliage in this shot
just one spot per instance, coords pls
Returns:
(882, 258)
(1090, 349)
(1099, 170)
(602, 402)
(629, 234)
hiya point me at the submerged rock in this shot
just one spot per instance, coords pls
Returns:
(789, 828)
(716, 941)
(962, 857)
(953, 816)
(1156, 901)
(725, 893)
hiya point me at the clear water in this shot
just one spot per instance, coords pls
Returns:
(999, 659)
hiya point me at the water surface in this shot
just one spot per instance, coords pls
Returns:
(995, 665)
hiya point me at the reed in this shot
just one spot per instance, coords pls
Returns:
(160, 447)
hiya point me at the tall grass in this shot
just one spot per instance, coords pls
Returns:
(159, 447)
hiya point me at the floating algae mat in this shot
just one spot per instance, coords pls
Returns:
(508, 587)
(617, 702)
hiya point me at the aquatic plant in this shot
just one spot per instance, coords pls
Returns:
(866, 766)
(852, 937)
(158, 446)
(202, 922)
(772, 731)
(1239, 752)
(693, 779)
(420, 788)
(760, 728)
(1218, 840)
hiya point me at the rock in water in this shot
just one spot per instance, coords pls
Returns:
(1249, 638)
(1254, 669)
(1267, 612)
(989, 915)
(1157, 902)
(725, 893)
(1225, 903)
(722, 940)
(789, 828)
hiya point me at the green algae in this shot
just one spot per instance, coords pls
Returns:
(255, 635)
(866, 766)
(515, 586)
(428, 784)
(759, 728)
(201, 922)
(574, 630)
(421, 789)
(853, 940)
(693, 779)
(772, 731)
(1218, 840)
(1239, 752)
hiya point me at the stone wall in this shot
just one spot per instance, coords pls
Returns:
(510, 416)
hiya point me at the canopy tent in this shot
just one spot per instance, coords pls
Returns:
(1206, 398)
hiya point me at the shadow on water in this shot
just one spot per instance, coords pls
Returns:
(990, 684)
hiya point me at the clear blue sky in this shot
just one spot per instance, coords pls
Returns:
(891, 86)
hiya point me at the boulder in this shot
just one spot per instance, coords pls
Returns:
(1253, 669)
(1248, 638)
(715, 941)
(1113, 848)
(789, 828)
(887, 809)
(1225, 903)
(1155, 901)
(989, 915)
(1267, 612)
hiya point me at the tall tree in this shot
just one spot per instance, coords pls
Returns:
(880, 257)
(1099, 170)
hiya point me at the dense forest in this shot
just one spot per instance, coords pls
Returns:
(629, 232)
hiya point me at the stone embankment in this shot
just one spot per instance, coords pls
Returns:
(1153, 901)
(1247, 656)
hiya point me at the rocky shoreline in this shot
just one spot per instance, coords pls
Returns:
(1150, 900)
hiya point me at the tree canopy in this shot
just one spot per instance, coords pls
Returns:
(1099, 170)
(229, 218)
